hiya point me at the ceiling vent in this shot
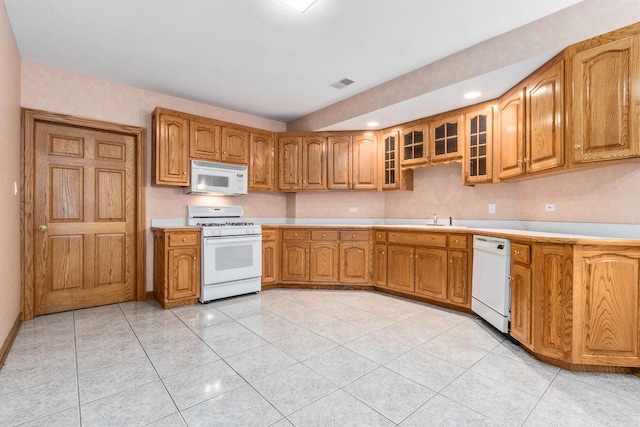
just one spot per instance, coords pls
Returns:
(342, 83)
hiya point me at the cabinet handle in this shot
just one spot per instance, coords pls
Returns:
(519, 161)
(379, 236)
(510, 278)
(456, 240)
(324, 235)
(516, 252)
(353, 235)
(450, 260)
(576, 147)
(184, 173)
(382, 252)
(526, 160)
(194, 258)
(224, 152)
(295, 234)
(184, 239)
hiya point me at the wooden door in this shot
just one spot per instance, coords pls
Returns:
(171, 153)
(339, 157)
(608, 298)
(401, 267)
(85, 243)
(431, 272)
(544, 119)
(458, 278)
(354, 262)
(606, 94)
(314, 163)
(204, 140)
(235, 146)
(521, 304)
(323, 262)
(295, 262)
(290, 163)
(364, 162)
(261, 162)
(511, 152)
(380, 265)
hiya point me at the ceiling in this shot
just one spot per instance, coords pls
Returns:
(263, 58)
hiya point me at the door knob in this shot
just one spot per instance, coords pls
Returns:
(43, 227)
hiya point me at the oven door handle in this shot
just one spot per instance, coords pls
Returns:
(234, 239)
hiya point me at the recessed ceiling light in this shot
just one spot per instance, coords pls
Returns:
(372, 124)
(342, 83)
(299, 5)
(473, 94)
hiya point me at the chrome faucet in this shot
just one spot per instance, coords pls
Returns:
(435, 218)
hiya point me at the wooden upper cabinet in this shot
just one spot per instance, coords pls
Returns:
(606, 90)
(235, 146)
(390, 162)
(171, 149)
(414, 149)
(314, 163)
(364, 162)
(289, 163)
(261, 162)
(478, 166)
(445, 139)
(339, 162)
(204, 140)
(511, 148)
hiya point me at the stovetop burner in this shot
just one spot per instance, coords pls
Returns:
(224, 224)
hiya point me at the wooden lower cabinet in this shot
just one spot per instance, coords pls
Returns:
(270, 256)
(176, 266)
(295, 262)
(607, 295)
(431, 272)
(354, 262)
(459, 283)
(401, 268)
(323, 262)
(520, 278)
(380, 265)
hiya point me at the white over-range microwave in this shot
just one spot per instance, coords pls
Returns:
(217, 179)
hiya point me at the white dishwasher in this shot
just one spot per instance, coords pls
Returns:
(490, 294)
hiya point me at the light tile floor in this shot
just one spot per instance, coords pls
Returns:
(293, 357)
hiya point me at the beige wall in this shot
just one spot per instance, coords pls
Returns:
(608, 194)
(10, 289)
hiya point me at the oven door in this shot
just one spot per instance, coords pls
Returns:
(225, 259)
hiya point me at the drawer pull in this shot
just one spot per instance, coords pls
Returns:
(353, 235)
(516, 252)
(379, 236)
(184, 239)
(457, 241)
(295, 235)
(324, 234)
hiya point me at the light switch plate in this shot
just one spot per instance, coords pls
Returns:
(492, 208)
(353, 209)
(550, 207)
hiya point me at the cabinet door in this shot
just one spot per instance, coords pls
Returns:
(269, 262)
(171, 153)
(184, 273)
(364, 162)
(261, 162)
(521, 304)
(401, 267)
(323, 262)
(380, 265)
(511, 153)
(314, 163)
(445, 141)
(553, 300)
(390, 162)
(235, 146)
(609, 297)
(354, 262)
(458, 278)
(431, 272)
(295, 262)
(290, 163)
(413, 146)
(605, 105)
(544, 119)
(204, 140)
(479, 146)
(339, 157)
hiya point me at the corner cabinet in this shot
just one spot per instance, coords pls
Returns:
(352, 162)
(606, 90)
(176, 266)
(171, 149)
(478, 166)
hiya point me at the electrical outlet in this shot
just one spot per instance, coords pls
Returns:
(550, 207)
(492, 208)
(353, 210)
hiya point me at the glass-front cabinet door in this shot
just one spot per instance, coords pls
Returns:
(390, 164)
(445, 143)
(479, 141)
(413, 146)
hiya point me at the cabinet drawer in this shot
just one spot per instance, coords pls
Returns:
(183, 239)
(354, 235)
(458, 241)
(268, 234)
(380, 236)
(521, 253)
(324, 235)
(431, 239)
(295, 234)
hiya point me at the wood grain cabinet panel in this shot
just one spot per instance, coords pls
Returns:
(446, 138)
(339, 163)
(608, 310)
(606, 90)
(295, 261)
(478, 165)
(171, 149)
(261, 162)
(204, 140)
(458, 283)
(401, 268)
(235, 146)
(314, 163)
(380, 265)
(431, 272)
(521, 303)
(270, 258)
(364, 163)
(324, 262)
(354, 262)
(289, 163)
